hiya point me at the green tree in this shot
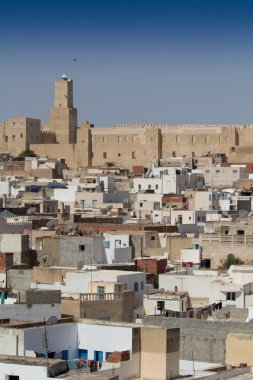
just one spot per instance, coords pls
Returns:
(110, 164)
(156, 281)
(28, 153)
(231, 260)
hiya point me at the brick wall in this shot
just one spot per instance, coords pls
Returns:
(153, 266)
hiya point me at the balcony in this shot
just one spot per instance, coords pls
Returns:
(229, 240)
(101, 296)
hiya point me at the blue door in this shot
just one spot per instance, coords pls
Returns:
(98, 356)
(83, 354)
(65, 355)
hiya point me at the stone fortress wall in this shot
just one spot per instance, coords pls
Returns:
(125, 144)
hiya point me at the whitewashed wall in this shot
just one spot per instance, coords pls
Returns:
(25, 372)
(60, 337)
(104, 338)
(33, 313)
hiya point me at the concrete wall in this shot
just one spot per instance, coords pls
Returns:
(49, 275)
(24, 372)
(35, 296)
(239, 349)
(159, 359)
(196, 285)
(71, 306)
(29, 312)
(174, 244)
(218, 254)
(60, 337)
(20, 280)
(120, 310)
(12, 342)
(85, 250)
(206, 339)
(50, 251)
(17, 244)
(175, 304)
(104, 338)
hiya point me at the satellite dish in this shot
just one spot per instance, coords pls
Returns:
(70, 227)
(64, 77)
(52, 224)
(52, 321)
(31, 210)
(60, 230)
(43, 258)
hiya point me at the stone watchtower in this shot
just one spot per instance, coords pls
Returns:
(63, 119)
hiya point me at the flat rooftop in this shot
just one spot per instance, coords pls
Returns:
(25, 360)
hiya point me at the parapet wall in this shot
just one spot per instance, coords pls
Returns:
(206, 340)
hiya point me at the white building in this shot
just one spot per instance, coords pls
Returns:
(156, 303)
(149, 351)
(196, 282)
(216, 176)
(18, 244)
(79, 282)
(117, 248)
(168, 180)
(178, 216)
(234, 288)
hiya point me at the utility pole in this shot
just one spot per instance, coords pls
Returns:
(46, 347)
(169, 234)
(193, 365)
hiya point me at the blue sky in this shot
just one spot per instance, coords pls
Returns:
(164, 61)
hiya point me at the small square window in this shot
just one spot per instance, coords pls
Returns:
(104, 155)
(82, 247)
(21, 135)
